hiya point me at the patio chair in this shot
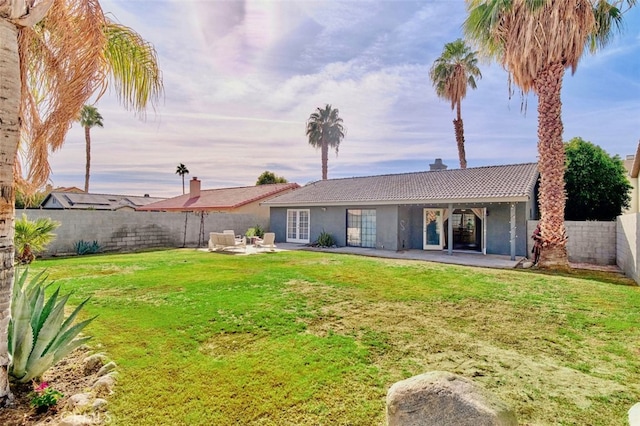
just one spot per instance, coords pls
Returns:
(268, 241)
(225, 241)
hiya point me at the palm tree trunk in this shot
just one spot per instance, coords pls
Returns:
(10, 133)
(551, 164)
(459, 128)
(325, 158)
(182, 183)
(87, 138)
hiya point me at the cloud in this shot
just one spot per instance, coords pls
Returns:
(242, 77)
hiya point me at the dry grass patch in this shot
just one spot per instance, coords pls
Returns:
(516, 352)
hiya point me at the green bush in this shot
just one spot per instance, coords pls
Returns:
(325, 240)
(44, 397)
(256, 231)
(39, 335)
(85, 247)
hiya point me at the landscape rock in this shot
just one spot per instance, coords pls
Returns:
(634, 415)
(75, 420)
(93, 363)
(107, 368)
(79, 401)
(104, 385)
(440, 398)
(99, 404)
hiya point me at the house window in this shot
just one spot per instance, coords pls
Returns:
(361, 228)
(297, 226)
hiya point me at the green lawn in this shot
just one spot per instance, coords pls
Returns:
(305, 338)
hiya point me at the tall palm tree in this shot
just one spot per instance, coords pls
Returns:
(536, 41)
(451, 73)
(324, 130)
(54, 58)
(182, 170)
(89, 117)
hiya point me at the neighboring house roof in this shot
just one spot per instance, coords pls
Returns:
(221, 199)
(508, 183)
(73, 200)
(68, 189)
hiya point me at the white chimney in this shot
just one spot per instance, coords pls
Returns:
(194, 188)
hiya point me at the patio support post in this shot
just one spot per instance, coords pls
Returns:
(450, 230)
(512, 233)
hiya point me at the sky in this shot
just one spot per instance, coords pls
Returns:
(241, 78)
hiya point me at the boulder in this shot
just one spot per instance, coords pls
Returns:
(93, 363)
(79, 401)
(634, 415)
(106, 368)
(99, 404)
(440, 398)
(104, 385)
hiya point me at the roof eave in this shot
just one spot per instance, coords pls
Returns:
(513, 199)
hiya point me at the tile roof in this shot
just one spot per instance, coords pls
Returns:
(221, 199)
(493, 183)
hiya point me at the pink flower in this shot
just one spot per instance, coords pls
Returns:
(42, 386)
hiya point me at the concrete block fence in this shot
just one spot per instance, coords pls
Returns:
(131, 230)
(588, 242)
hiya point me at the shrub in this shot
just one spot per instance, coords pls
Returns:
(32, 236)
(44, 397)
(85, 247)
(325, 240)
(256, 231)
(39, 335)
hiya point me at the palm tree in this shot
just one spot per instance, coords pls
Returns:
(536, 41)
(324, 130)
(89, 117)
(182, 170)
(54, 59)
(451, 73)
(32, 236)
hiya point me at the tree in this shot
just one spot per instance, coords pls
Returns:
(324, 130)
(535, 41)
(182, 170)
(596, 183)
(89, 117)
(450, 74)
(32, 236)
(53, 60)
(268, 177)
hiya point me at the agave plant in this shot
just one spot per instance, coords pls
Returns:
(39, 335)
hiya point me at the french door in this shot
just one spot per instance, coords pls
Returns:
(432, 229)
(297, 226)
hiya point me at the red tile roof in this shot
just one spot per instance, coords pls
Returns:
(221, 199)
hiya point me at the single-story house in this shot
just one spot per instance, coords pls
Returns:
(245, 199)
(71, 200)
(482, 209)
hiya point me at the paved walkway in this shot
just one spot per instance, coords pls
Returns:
(458, 258)
(467, 258)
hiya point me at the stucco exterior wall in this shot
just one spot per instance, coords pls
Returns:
(401, 227)
(588, 241)
(131, 230)
(628, 245)
(499, 229)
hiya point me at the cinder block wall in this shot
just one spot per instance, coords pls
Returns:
(627, 244)
(130, 230)
(588, 242)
